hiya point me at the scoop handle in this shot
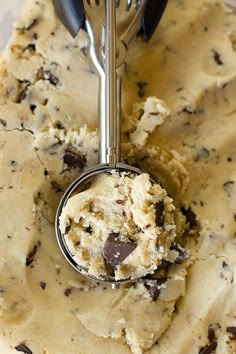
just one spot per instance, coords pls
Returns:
(110, 94)
(71, 13)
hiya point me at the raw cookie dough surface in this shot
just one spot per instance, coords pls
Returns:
(121, 226)
(48, 119)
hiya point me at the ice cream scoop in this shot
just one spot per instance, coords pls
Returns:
(107, 54)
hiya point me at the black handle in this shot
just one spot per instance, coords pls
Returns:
(71, 13)
(151, 17)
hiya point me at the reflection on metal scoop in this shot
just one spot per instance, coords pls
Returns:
(106, 57)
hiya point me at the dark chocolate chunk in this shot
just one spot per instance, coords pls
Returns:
(115, 250)
(32, 253)
(159, 211)
(31, 47)
(48, 75)
(59, 125)
(209, 348)
(190, 217)
(211, 333)
(67, 292)
(232, 331)
(74, 159)
(45, 172)
(225, 265)
(23, 348)
(42, 284)
(217, 57)
(154, 287)
(89, 229)
(33, 107)
(182, 253)
(154, 292)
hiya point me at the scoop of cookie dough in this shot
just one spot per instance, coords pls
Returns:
(122, 226)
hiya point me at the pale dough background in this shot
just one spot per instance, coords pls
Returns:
(215, 294)
(9, 12)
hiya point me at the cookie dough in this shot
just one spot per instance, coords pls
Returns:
(48, 120)
(121, 227)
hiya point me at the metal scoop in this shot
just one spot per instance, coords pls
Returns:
(106, 55)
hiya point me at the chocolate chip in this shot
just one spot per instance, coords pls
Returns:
(232, 331)
(45, 172)
(3, 123)
(59, 125)
(23, 348)
(67, 292)
(209, 348)
(211, 333)
(217, 57)
(31, 47)
(190, 217)
(228, 183)
(42, 284)
(182, 253)
(89, 229)
(33, 107)
(120, 201)
(74, 159)
(154, 287)
(32, 253)
(225, 265)
(84, 50)
(115, 250)
(29, 27)
(109, 269)
(154, 292)
(13, 163)
(159, 211)
(141, 85)
(48, 75)
(164, 265)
